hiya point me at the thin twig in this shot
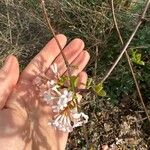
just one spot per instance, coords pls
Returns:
(95, 70)
(57, 41)
(141, 120)
(96, 62)
(140, 47)
(128, 59)
(129, 41)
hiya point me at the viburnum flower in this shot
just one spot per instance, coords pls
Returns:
(63, 100)
(55, 89)
(64, 103)
(62, 122)
(78, 118)
(54, 68)
(69, 120)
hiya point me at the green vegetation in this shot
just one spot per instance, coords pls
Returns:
(24, 33)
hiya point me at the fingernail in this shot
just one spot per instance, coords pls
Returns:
(7, 64)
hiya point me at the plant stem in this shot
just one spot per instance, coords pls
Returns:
(128, 59)
(57, 41)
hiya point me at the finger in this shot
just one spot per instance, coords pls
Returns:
(71, 51)
(82, 79)
(81, 83)
(9, 75)
(41, 62)
(79, 63)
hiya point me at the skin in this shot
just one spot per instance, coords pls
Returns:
(23, 117)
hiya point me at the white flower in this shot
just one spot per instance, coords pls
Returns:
(47, 96)
(78, 119)
(67, 95)
(63, 101)
(55, 88)
(62, 123)
(66, 122)
(54, 68)
(65, 98)
(51, 83)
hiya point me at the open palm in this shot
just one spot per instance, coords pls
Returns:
(23, 117)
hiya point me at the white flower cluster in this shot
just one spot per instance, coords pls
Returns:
(67, 121)
(61, 101)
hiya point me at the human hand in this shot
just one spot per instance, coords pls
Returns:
(23, 117)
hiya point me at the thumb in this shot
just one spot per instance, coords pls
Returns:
(9, 75)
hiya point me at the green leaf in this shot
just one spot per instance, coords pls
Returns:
(99, 89)
(101, 93)
(62, 80)
(74, 80)
(89, 83)
(136, 57)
